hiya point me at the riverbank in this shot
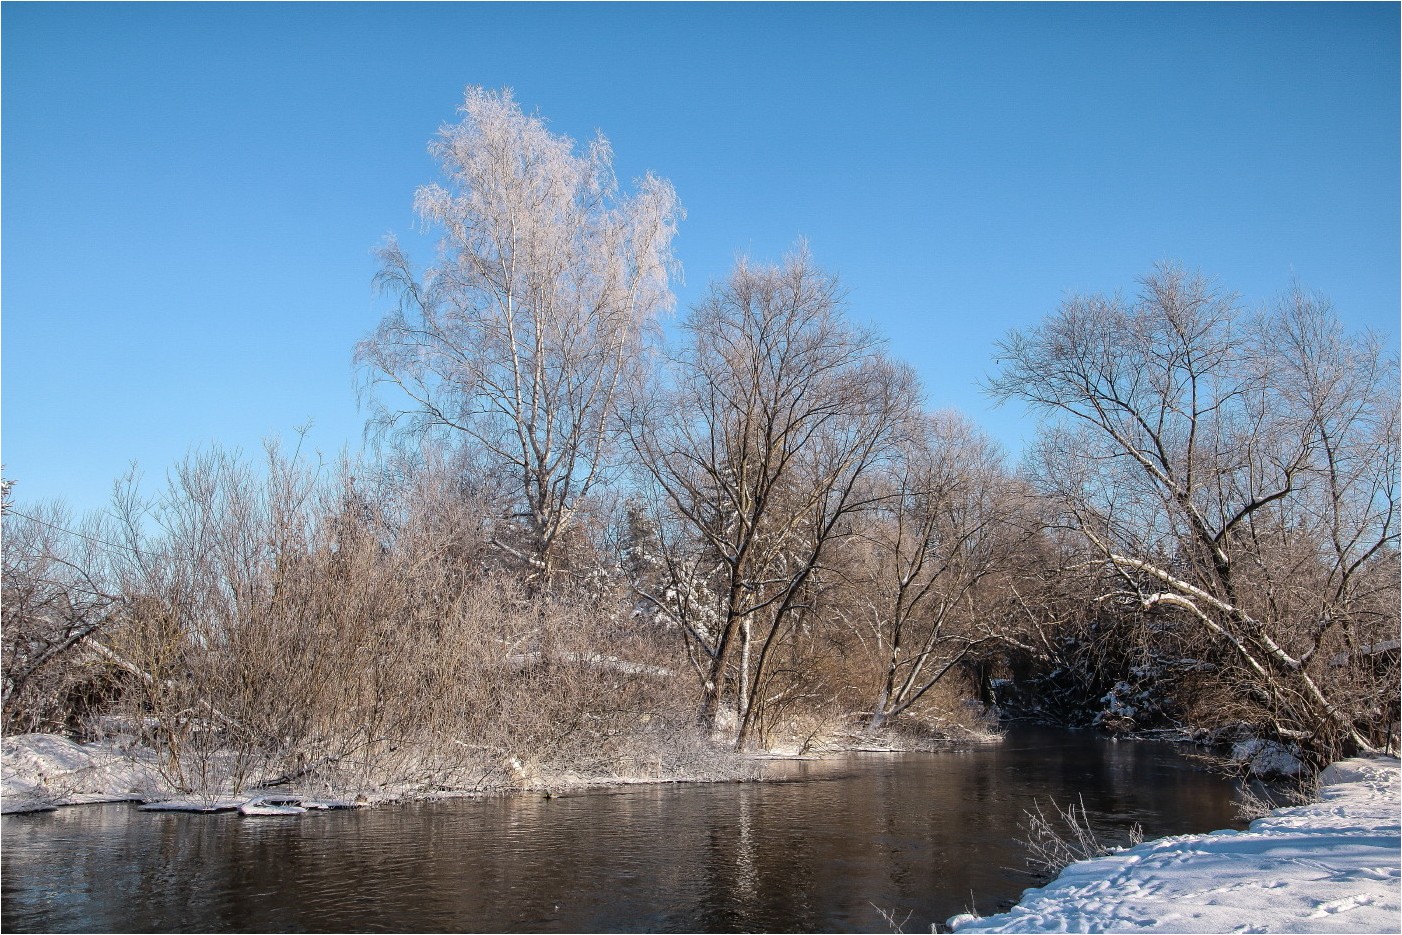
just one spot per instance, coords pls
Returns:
(40, 772)
(1331, 866)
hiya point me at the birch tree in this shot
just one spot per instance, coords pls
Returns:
(1236, 473)
(520, 336)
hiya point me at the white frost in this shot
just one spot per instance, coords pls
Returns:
(1334, 866)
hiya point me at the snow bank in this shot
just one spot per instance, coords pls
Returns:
(1332, 866)
(41, 771)
(1266, 758)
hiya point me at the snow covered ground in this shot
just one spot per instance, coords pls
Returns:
(1334, 866)
(41, 771)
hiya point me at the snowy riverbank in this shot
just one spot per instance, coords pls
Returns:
(40, 772)
(1332, 866)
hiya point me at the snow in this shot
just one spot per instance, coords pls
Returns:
(41, 771)
(1267, 758)
(267, 808)
(1333, 866)
(211, 804)
(44, 771)
(252, 805)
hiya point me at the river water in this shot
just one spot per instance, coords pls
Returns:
(922, 836)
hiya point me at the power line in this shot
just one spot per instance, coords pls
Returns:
(70, 532)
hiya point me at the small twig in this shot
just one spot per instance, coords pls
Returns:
(897, 928)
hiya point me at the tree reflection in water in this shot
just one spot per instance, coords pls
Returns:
(825, 850)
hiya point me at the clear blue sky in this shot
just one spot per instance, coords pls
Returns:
(191, 193)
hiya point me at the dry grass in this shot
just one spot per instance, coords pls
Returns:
(1056, 842)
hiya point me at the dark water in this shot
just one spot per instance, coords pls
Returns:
(925, 836)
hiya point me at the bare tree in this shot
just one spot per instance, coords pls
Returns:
(1234, 472)
(522, 334)
(55, 597)
(778, 411)
(940, 549)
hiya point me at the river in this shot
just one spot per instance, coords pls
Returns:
(922, 836)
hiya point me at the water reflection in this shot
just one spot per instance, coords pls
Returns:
(933, 834)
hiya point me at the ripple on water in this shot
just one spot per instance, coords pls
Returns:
(928, 834)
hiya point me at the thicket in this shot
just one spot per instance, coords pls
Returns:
(584, 552)
(343, 628)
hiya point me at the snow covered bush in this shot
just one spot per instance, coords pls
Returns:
(1266, 759)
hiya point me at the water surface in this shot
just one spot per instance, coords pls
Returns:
(924, 836)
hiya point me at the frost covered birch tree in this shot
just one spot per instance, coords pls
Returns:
(1237, 473)
(523, 332)
(776, 413)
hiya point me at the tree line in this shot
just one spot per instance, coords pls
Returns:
(589, 544)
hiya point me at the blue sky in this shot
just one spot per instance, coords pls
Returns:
(191, 193)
